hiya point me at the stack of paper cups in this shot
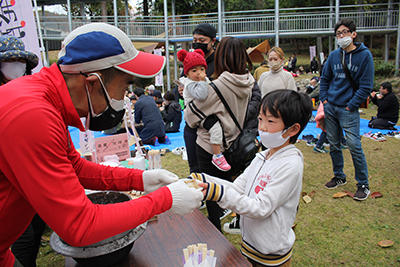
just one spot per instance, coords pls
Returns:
(139, 162)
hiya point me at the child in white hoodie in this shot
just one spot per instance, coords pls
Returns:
(267, 193)
(196, 87)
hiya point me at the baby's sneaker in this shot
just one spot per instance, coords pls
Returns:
(220, 162)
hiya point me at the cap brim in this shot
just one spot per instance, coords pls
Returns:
(31, 58)
(144, 65)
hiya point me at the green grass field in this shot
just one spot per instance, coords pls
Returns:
(331, 232)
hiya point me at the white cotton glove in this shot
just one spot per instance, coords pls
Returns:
(154, 179)
(184, 198)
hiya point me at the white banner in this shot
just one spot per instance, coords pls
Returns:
(321, 57)
(313, 52)
(16, 18)
(159, 78)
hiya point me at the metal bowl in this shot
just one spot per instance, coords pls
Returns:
(106, 252)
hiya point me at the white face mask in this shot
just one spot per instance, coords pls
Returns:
(13, 70)
(344, 42)
(271, 140)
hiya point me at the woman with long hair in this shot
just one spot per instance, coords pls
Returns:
(233, 78)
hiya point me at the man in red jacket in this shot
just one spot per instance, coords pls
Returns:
(40, 170)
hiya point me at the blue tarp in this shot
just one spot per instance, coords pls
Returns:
(311, 128)
(176, 139)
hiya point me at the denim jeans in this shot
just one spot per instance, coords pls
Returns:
(321, 140)
(336, 119)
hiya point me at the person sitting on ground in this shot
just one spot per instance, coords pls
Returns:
(313, 89)
(267, 193)
(148, 120)
(196, 87)
(276, 78)
(260, 70)
(172, 113)
(156, 94)
(388, 108)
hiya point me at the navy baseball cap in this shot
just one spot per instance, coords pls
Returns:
(98, 46)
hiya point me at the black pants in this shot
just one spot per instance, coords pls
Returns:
(26, 248)
(204, 160)
(190, 136)
(378, 123)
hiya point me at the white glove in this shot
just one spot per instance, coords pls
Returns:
(154, 179)
(184, 198)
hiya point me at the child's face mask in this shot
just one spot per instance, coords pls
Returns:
(272, 140)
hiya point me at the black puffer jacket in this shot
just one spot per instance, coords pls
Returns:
(172, 116)
(253, 108)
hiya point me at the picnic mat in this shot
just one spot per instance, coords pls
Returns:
(311, 128)
(176, 139)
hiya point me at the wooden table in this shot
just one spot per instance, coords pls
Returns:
(163, 241)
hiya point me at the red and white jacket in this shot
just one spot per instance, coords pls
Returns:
(41, 172)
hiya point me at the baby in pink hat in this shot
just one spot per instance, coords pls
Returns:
(196, 87)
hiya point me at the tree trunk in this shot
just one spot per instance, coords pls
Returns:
(104, 10)
(145, 8)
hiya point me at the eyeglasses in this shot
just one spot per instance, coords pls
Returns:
(344, 32)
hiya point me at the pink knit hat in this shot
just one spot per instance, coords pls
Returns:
(191, 59)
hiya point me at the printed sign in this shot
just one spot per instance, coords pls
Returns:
(159, 81)
(16, 19)
(112, 145)
(313, 52)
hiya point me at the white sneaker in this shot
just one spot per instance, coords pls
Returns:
(232, 227)
(225, 213)
(184, 154)
(177, 151)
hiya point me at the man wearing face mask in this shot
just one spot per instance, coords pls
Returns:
(346, 81)
(40, 170)
(204, 38)
(14, 60)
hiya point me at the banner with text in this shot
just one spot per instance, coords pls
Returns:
(16, 18)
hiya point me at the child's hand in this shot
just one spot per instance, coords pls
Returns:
(204, 186)
(180, 89)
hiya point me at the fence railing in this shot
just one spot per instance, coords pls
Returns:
(298, 21)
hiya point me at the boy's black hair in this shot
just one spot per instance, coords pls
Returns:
(291, 106)
(387, 86)
(169, 96)
(346, 22)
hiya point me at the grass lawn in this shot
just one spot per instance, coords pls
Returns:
(331, 232)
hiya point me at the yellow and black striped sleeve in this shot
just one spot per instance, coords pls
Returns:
(198, 176)
(214, 192)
